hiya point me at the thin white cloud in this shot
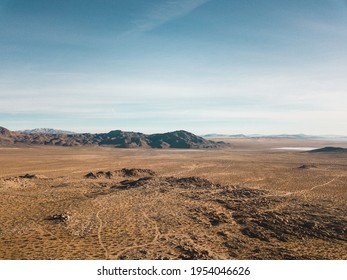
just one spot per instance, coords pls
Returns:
(304, 91)
(336, 29)
(163, 13)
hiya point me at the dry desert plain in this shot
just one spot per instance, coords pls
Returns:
(246, 202)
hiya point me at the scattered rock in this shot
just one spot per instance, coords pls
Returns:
(243, 193)
(190, 253)
(32, 176)
(143, 251)
(295, 224)
(128, 184)
(59, 218)
(135, 172)
(255, 232)
(109, 174)
(307, 166)
(100, 174)
(189, 182)
(222, 233)
(217, 218)
(125, 172)
(90, 175)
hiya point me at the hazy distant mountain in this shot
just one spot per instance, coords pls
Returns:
(291, 136)
(329, 150)
(47, 130)
(217, 135)
(120, 139)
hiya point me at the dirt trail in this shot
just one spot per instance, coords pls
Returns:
(327, 183)
(282, 205)
(187, 169)
(281, 193)
(156, 228)
(245, 183)
(155, 238)
(102, 245)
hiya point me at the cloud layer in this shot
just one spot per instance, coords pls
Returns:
(204, 66)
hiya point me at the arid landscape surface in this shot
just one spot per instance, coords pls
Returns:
(249, 201)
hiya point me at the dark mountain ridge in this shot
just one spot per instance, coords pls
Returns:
(329, 150)
(120, 139)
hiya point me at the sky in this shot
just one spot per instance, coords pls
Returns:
(206, 66)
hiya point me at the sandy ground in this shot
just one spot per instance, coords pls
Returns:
(256, 204)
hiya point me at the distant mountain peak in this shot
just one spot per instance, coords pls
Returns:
(47, 131)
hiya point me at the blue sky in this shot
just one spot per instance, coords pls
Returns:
(226, 66)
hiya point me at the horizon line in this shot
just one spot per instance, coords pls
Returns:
(211, 134)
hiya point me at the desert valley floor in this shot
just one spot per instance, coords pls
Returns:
(246, 202)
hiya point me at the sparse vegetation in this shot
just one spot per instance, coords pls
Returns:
(105, 203)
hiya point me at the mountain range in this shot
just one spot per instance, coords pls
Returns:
(120, 139)
(276, 136)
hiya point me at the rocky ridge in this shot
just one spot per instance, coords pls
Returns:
(119, 139)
